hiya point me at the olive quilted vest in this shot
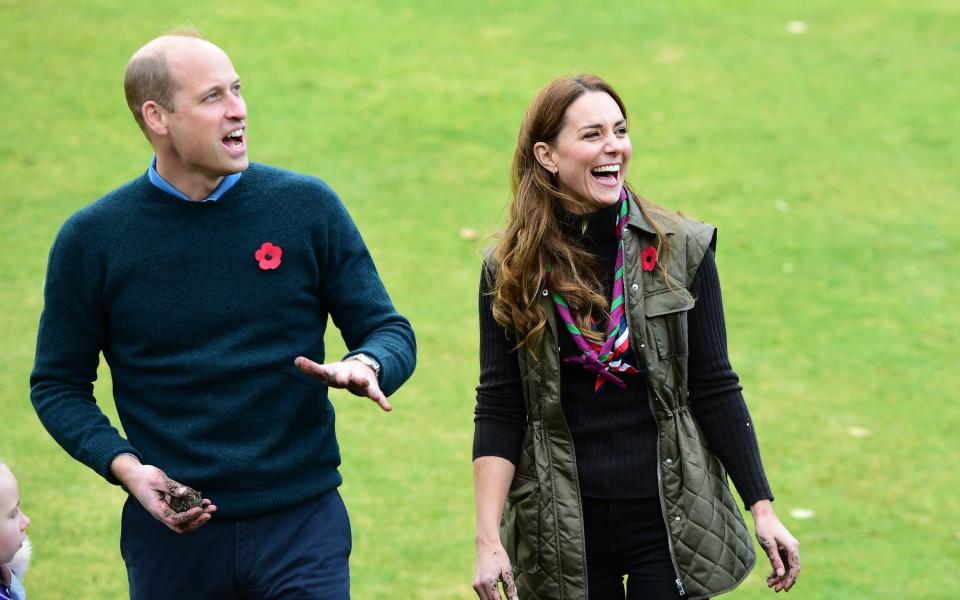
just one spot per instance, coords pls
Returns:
(542, 527)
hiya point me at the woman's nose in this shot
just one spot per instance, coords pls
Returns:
(614, 145)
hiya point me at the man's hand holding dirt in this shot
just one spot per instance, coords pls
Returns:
(162, 496)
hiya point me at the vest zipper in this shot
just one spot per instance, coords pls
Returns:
(663, 505)
(653, 411)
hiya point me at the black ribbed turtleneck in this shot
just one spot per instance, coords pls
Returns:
(614, 433)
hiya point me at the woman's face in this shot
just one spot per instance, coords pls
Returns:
(591, 153)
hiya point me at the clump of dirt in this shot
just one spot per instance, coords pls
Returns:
(186, 502)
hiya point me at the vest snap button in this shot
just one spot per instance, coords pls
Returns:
(545, 292)
(634, 287)
(676, 519)
(669, 461)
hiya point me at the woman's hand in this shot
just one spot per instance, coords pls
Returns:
(493, 566)
(491, 480)
(782, 549)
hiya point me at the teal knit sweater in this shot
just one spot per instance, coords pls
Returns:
(200, 340)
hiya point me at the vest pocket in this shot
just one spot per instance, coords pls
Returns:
(666, 317)
(520, 530)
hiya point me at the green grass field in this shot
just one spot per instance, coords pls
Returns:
(828, 159)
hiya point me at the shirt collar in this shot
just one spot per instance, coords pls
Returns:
(225, 184)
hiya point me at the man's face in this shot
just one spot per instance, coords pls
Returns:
(13, 523)
(207, 130)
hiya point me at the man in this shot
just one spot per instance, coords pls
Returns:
(206, 283)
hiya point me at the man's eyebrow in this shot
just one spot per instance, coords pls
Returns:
(213, 87)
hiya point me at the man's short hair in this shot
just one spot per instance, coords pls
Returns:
(148, 78)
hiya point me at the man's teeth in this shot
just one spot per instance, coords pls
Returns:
(236, 133)
(607, 169)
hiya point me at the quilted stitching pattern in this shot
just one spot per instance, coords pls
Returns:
(712, 545)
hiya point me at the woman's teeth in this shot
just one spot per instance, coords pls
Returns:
(606, 173)
(607, 169)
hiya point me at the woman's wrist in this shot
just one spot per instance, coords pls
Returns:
(486, 540)
(761, 508)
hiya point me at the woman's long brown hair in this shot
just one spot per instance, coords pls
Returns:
(532, 241)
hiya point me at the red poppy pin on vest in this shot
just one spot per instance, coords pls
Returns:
(649, 258)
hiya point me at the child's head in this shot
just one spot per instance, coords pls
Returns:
(13, 523)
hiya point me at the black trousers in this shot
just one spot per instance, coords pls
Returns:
(628, 538)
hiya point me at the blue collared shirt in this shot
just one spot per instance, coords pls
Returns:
(164, 185)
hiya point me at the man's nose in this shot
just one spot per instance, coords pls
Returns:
(237, 108)
(25, 523)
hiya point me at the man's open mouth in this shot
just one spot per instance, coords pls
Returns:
(234, 139)
(606, 174)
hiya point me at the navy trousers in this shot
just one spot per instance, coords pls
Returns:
(297, 553)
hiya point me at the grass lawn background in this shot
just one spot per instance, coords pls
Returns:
(828, 159)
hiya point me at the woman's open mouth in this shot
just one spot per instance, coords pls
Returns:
(606, 174)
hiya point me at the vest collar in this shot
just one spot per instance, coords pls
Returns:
(636, 219)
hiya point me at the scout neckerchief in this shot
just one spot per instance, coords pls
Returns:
(603, 359)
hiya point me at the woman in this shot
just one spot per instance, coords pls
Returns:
(607, 412)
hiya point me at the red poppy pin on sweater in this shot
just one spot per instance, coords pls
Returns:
(268, 256)
(649, 258)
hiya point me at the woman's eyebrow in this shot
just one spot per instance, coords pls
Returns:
(600, 125)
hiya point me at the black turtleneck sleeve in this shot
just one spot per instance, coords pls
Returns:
(500, 415)
(715, 392)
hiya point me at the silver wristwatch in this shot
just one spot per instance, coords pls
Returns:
(367, 360)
